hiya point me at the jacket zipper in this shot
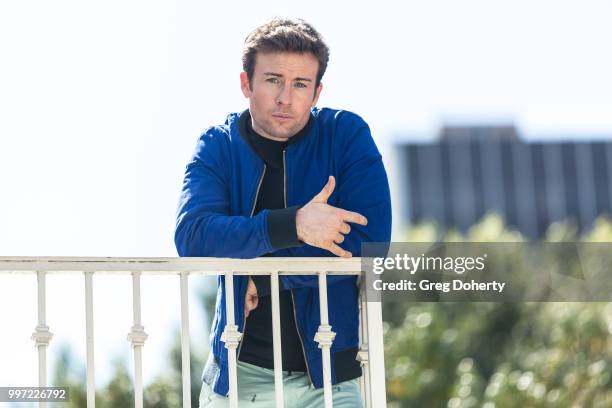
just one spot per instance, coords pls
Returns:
(263, 173)
(297, 329)
(300, 337)
(284, 179)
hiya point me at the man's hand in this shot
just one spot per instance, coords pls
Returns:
(251, 299)
(322, 225)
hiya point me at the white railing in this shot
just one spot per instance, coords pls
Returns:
(371, 351)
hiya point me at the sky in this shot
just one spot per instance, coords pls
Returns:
(101, 104)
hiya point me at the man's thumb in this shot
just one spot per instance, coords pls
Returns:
(327, 191)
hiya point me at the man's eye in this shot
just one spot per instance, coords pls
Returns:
(272, 80)
(300, 85)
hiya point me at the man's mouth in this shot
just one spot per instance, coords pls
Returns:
(282, 116)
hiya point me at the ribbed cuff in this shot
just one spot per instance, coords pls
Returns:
(281, 228)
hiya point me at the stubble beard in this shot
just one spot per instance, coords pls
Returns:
(273, 131)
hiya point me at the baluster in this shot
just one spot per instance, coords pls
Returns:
(42, 336)
(137, 337)
(231, 336)
(276, 340)
(325, 337)
(185, 339)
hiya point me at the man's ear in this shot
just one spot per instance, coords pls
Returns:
(317, 94)
(245, 84)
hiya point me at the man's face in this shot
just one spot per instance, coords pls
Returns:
(281, 93)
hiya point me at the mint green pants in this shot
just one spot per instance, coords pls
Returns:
(256, 389)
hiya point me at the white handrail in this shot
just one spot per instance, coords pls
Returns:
(199, 266)
(371, 352)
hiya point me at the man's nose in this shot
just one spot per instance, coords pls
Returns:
(284, 97)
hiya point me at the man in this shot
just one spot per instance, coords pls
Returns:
(284, 178)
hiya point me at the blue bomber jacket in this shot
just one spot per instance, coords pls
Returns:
(215, 219)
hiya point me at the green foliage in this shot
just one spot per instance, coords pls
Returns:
(495, 355)
(67, 375)
(119, 392)
(164, 392)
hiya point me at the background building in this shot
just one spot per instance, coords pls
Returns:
(470, 171)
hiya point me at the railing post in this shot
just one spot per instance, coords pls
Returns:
(185, 339)
(325, 337)
(276, 341)
(137, 337)
(376, 350)
(363, 353)
(41, 335)
(89, 340)
(231, 337)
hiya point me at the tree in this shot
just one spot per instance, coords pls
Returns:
(499, 354)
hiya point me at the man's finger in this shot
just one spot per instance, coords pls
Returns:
(327, 191)
(345, 228)
(350, 216)
(336, 250)
(339, 239)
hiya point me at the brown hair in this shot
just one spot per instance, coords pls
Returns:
(285, 35)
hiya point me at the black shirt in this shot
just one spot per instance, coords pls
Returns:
(257, 341)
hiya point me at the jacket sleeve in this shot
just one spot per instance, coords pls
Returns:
(362, 186)
(204, 226)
